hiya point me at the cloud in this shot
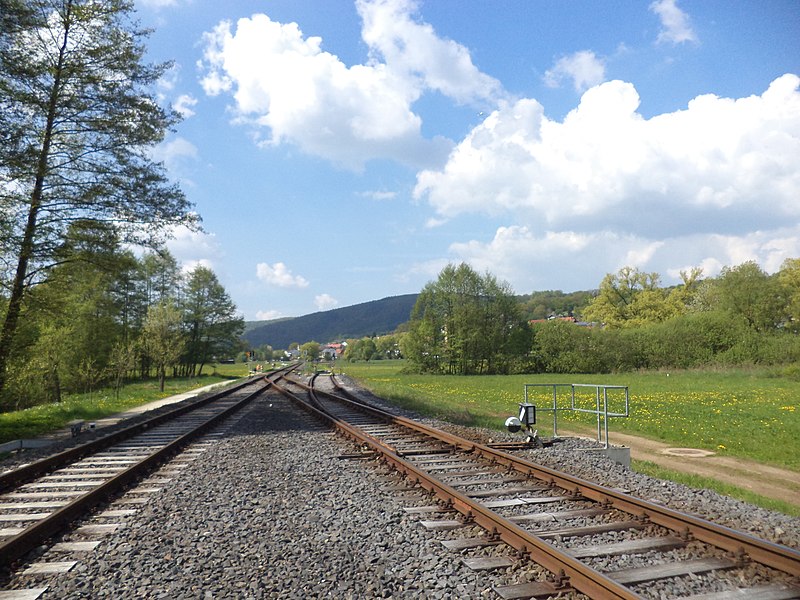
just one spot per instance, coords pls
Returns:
(720, 165)
(676, 27)
(325, 301)
(279, 275)
(184, 105)
(379, 195)
(711, 185)
(193, 248)
(177, 154)
(584, 68)
(414, 51)
(291, 91)
(268, 315)
(526, 260)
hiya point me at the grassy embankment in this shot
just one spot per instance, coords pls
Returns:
(39, 420)
(744, 413)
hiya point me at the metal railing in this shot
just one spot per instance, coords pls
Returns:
(601, 404)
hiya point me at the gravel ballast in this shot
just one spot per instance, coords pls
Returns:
(272, 510)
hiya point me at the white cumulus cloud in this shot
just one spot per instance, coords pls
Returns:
(584, 68)
(268, 315)
(711, 185)
(184, 105)
(177, 154)
(279, 275)
(193, 248)
(567, 260)
(721, 163)
(325, 302)
(676, 27)
(288, 88)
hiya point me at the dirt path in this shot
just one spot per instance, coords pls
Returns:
(772, 482)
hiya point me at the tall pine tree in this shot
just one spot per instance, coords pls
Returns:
(78, 120)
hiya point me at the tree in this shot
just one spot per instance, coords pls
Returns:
(161, 338)
(121, 360)
(463, 323)
(361, 349)
(212, 326)
(747, 292)
(632, 298)
(310, 351)
(78, 120)
(789, 279)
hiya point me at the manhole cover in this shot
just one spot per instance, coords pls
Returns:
(687, 452)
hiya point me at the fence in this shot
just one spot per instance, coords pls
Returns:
(578, 401)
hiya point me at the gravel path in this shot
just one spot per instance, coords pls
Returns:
(263, 515)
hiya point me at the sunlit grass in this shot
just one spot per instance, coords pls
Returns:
(744, 413)
(700, 482)
(40, 420)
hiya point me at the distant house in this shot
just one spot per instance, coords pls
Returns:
(553, 318)
(333, 351)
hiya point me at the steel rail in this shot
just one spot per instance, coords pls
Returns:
(569, 572)
(740, 544)
(16, 547)
(17, 477)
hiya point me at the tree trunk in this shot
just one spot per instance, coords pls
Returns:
(56, 384)
(27, 246)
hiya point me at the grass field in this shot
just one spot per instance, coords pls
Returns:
(39, 420)
(743, 413)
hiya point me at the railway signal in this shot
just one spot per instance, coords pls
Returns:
(526, 419)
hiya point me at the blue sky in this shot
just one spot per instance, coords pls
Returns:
(340, 152)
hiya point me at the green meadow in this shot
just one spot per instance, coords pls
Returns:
(750, 414)
(42, 419)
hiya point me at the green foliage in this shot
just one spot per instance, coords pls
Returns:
(542, 305)
(632, 298)
(87, 325)
(45, 418)
(310, 350)
(465, 323)
(747, 292)
(743, 317)
(210, 321)
(162, 340)
(78, 119)
(563, 347)
(789, 281)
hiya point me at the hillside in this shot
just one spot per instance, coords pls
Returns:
(366, 319)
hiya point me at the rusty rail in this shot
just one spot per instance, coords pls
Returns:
(565, 567)
(17, 546)
(761, 551)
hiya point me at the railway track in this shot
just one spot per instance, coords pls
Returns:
(45, 498)
(593, 540)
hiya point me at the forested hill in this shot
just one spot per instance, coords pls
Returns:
(367, 319)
